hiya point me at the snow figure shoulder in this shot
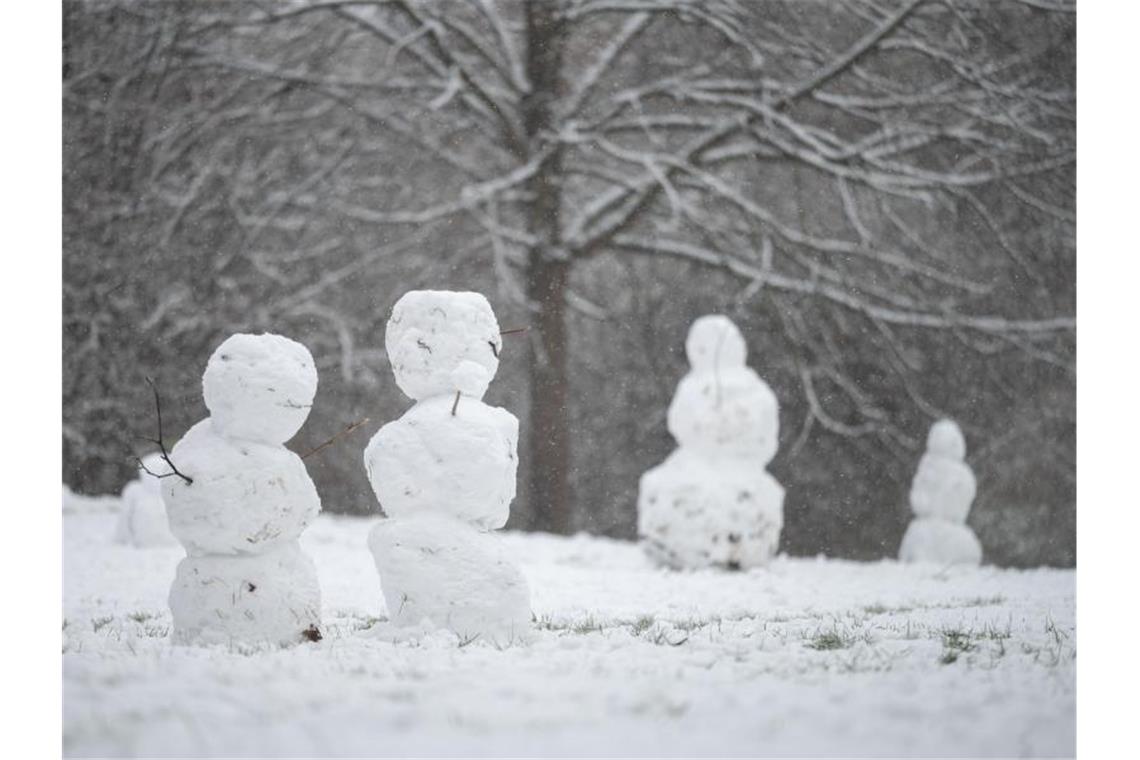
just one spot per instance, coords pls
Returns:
(445, 474)
(711, 502)
(940, 497)
(245, 500)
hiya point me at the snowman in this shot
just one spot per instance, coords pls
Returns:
(940, 496)
(240, 500)
(444, 474)
(142, 523)
(711, 503)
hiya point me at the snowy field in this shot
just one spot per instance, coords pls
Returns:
(806, 657)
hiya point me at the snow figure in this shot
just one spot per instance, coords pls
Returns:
(711, 503)
(941, 495)
(142, 522)
(445, 475)
(244, 501)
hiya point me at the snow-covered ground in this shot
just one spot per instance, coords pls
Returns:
(805, 657)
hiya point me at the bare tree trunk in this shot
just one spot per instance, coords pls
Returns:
(547, 272)
(549, 441)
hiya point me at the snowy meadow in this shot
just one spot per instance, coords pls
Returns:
(569, 378)
(803, 657)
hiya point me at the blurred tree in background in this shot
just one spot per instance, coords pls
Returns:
(880, 194)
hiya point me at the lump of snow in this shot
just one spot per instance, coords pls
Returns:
(730, 410)
(946, 440)
(462, 465)
(438, 569)
(470, 378)
(944, 486)
(432, 334)
(714, 342)
(940, 542)
(246, 496)
(697, 512)
(271, 598)
(260, 387)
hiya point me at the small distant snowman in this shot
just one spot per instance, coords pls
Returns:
(940, 496)
(711, 503)
(243, 500)
(444, 474)
(143, 523)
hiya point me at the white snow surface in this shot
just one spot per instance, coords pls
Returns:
(461, 465)
(442, 341)
(801, 657)
(78, 503)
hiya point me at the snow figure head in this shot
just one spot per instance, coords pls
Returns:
(442, 341)
(714, 342)
(259, 387)
(946, 440)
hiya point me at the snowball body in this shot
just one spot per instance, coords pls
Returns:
(437, 339)
(697, 512)
(730, 411)
(437, 569)
(941, 542)
(143, 522)
(711, 503)
(269, 598)
(430, 461)
(245, 578)
(940, 497)
(942, 488)
(445, 474)
(246, 497)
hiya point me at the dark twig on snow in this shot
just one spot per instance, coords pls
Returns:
(333, 440)
(162, 446)
(456, 404)
(512, 331)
